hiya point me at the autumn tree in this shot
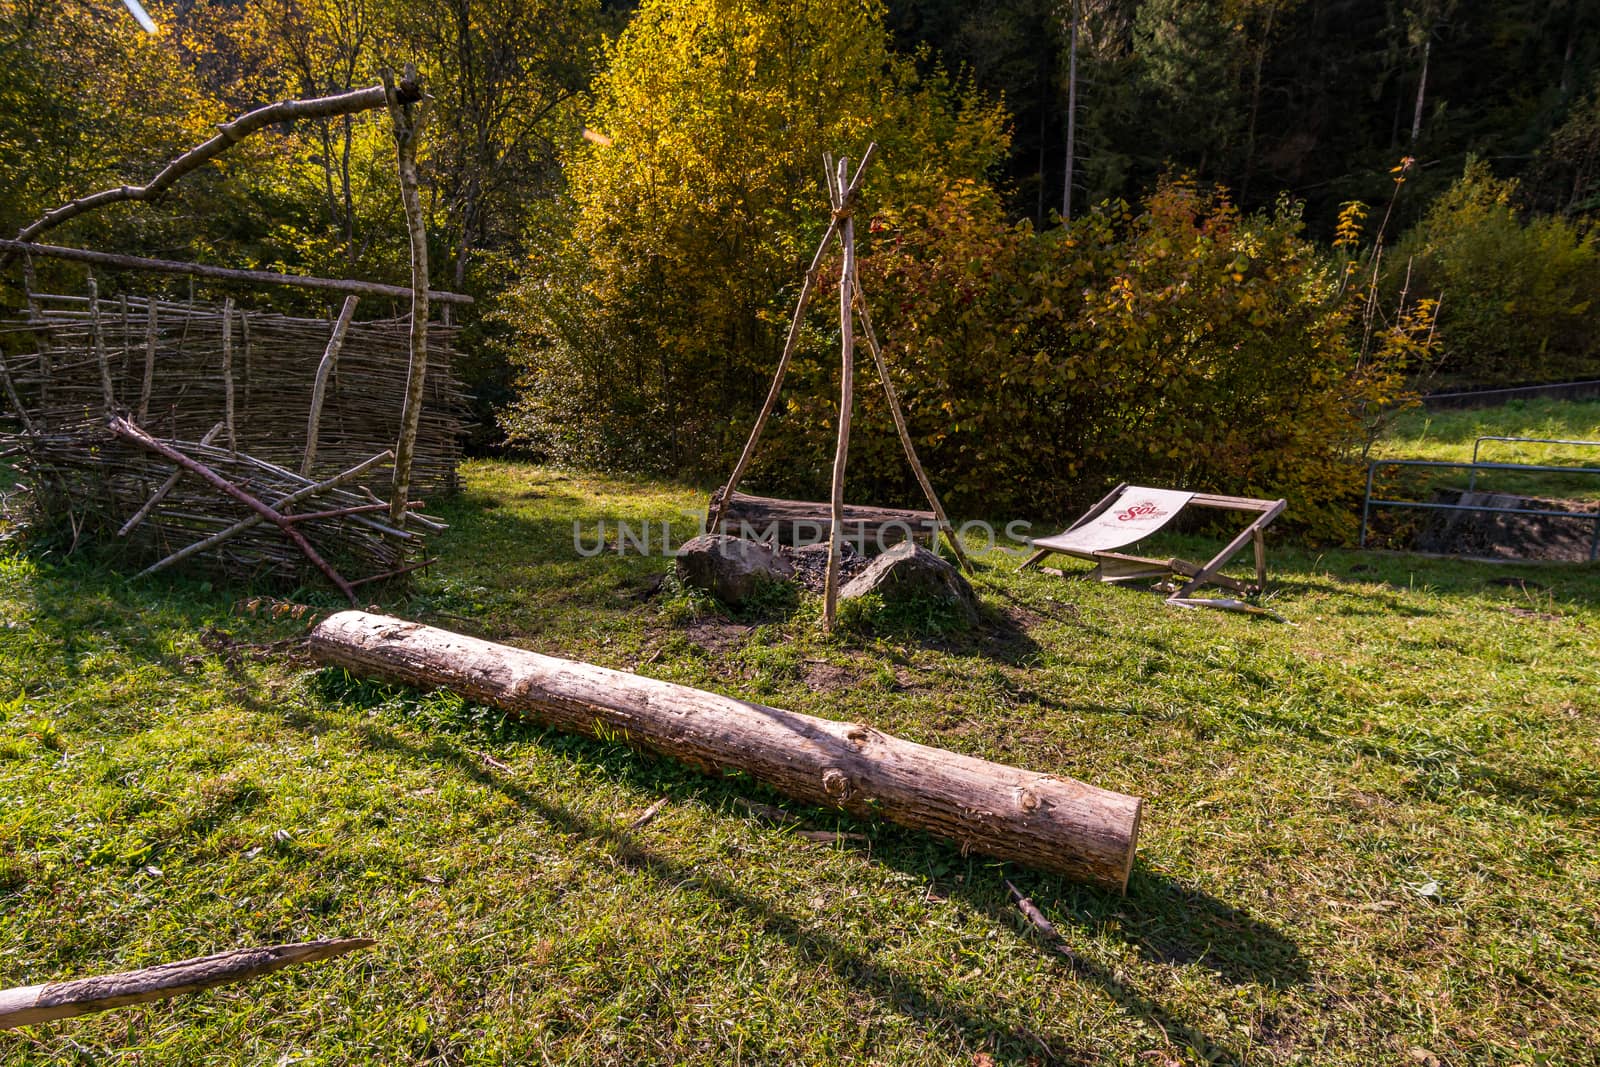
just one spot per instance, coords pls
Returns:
(655, 310)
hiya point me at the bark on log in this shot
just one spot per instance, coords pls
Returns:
(801, 522)
(28, 1005)
(1047, 822)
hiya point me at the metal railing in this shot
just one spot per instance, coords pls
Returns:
(1475, 466)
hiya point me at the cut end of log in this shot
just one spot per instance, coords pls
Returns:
(1133, 842)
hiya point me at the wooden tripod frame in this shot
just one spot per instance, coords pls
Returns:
(842, 195)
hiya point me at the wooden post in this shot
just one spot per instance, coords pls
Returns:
(905, 433)
(11, 394)
(151, 331)
(319, 388)
(41, 332)
(244, 346)
(1045, 821)
(98, 341)
(31, 1005)
(408, 121)
(227, 376)
(847, 373)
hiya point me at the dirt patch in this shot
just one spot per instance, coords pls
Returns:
(715, 635)
(823, 677)
(1501, 536)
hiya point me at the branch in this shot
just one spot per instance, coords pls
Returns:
(228, 135)
(201, 270)
(28, 1005)
(128, 432)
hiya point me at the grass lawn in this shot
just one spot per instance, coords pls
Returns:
(1370, 834)
(1449, 436)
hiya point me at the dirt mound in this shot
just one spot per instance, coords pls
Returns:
(1501, 536)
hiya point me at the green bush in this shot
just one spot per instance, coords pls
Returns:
(1517, 296)
(1185, 344)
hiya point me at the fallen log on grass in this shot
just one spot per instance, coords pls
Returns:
(1051, 823)
(27, 1005)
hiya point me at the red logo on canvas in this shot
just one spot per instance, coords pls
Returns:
(1145, 510)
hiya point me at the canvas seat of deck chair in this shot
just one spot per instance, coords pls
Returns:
(1130, 513)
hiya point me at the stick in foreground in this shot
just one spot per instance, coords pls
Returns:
(27, 1005)
(1046, 822)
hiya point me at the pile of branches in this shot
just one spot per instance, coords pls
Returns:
(241, 444)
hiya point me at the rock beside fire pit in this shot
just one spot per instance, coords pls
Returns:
(730, 568)
(910, 572)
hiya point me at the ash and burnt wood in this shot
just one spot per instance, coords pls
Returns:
(31, 1005)
(1043, 821)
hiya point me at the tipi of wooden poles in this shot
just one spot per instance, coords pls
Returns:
(843, 193)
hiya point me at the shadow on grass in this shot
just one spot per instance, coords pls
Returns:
(1166, 922)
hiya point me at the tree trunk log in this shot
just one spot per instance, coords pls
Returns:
(801, 522)
(1047, 822)
(28, 1005)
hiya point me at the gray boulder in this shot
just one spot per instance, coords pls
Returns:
(730, 568)
(910, 572)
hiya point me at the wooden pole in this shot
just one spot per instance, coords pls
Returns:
(1044, 821)
(225, 274)
(147, 383)
(250, 521)
(31, 1005)
(793, 338)
(227, 376)
(166, 487)
(408, 122)
(871, 337)
(319, 388)
(97, 339)
(847, 374)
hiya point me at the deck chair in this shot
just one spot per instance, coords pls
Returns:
(1130, 513)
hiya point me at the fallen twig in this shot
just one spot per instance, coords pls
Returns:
(648, 815)
(27, 1005)
(1045, 927)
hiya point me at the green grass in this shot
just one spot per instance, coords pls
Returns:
(1367, 832)
(1449, 436)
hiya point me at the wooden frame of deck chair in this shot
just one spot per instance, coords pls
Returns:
(1141, 511)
